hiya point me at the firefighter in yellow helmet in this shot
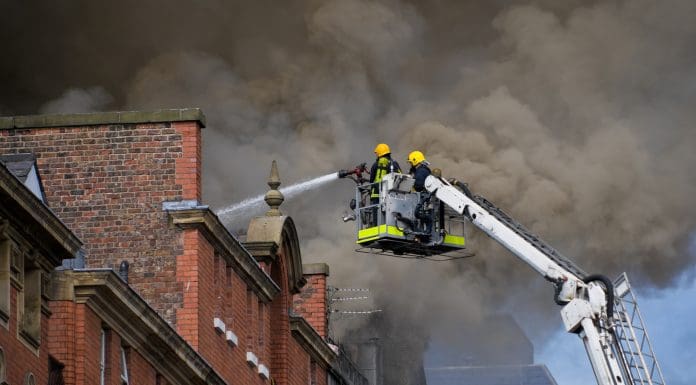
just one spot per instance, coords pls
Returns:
(423, 212)
(382, 166)
(419, 169)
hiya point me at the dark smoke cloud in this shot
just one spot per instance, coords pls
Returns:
(575, 117)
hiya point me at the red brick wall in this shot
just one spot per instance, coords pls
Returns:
(188, 279)
(299, 362)
(140, 372)
(108, 182)
(61, 337)
(322, 377)
(212, 289)
(87, 346)
(311, 302)
(280, 329)
(75, 341)
(237, 320)
(266, 351)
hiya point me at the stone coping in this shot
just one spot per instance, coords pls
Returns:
(315, 268)
(123, 310)
(228, 246)
(100, 118)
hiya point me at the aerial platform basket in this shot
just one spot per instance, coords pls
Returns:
(405, 222)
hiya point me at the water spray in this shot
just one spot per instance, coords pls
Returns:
(252, 205)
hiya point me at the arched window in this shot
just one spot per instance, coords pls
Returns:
(29, 379)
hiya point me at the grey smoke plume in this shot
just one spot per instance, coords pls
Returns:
(575, 118)
(76, 100)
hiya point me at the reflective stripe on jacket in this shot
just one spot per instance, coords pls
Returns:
(382, 167)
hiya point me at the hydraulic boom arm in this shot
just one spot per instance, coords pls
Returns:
(587, 299)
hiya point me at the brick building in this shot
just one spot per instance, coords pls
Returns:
(192, 304)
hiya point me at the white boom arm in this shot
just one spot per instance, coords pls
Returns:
(585, 309)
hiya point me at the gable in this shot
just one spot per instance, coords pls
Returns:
(276, 235)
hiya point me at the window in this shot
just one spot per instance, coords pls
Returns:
(228, 274)
(30, 309)
(216, 269)
(124, 366)
(16, 264)
(218, 287)
(29, 379)
(250, 319)
(102, 357)
(312, 372)
(5, 250)
(229, 301)
(260, 326)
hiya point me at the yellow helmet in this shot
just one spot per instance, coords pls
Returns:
(382, 150)
(415, 157)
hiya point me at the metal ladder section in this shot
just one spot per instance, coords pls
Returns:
(534, 240)
(633, 344)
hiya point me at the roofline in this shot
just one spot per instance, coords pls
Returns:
(41, 214)
(202, 218)
(124, 310)
(99, 118)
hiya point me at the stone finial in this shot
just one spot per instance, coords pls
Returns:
(274, 198)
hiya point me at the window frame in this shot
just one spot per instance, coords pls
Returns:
(5, 279)
(124, 365)
(29, 302)
(102, 356)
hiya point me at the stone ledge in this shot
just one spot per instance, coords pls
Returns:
(315, 268)
(312, 342)
(136, 322)
(281, 231)
(230, 248)
(100, 118)
(262, 251)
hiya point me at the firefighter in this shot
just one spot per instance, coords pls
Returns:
(383, 165)
(419, 169)
(423, 211)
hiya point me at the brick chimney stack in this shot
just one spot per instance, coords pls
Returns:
(311, 303)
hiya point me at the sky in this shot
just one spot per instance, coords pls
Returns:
(666, 315)
(575, 117)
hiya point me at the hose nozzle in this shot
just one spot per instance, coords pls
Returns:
(357, 171)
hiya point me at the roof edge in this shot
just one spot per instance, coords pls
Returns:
(98, 118)
(204, 219)
(41, 215)
(124, 310)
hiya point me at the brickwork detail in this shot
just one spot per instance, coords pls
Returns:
(61, 337)
(108, 182)
(311, 302)
(140, 371)
(280, 330)
(74, 332)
